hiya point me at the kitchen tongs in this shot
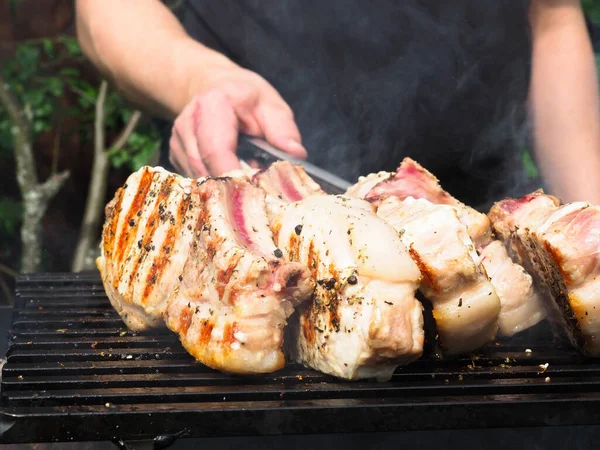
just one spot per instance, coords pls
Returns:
(254, 149)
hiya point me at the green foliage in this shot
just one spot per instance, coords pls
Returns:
(592, 10)
(40, 73)
(137, 153)
(10, 216)
(46, 77)
(32, 74)
(529, 164)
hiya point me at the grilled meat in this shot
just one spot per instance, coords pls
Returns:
(465, 304)
(522, 304)
(286, 181)
(364, 320)
(237, 291)
(517, 298)
(561, 244)
(145, 243)
(412, 180)
(366, 183)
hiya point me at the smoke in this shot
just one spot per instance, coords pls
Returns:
(373, 81)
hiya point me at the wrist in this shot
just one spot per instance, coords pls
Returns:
(196, 65)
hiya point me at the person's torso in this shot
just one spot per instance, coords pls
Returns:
(373, 81)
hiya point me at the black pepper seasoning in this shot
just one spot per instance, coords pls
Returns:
(330, 284)
(278, 253)
(298, 229)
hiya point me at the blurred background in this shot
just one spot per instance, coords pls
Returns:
(68, 140)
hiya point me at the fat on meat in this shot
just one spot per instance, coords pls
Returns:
(465, 304)
(561, 243)
(521, 304)
(237, 291)
(363, 320)
(413, 180)
(286, 181)
(512, 283)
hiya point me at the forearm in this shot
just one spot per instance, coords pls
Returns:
(564, 101)
(141, 47)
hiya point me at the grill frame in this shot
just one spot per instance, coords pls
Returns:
(66, 382)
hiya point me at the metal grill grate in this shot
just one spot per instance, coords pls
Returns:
(74, 372)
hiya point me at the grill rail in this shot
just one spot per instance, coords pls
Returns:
(74, 372)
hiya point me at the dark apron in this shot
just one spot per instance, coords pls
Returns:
(373, 81)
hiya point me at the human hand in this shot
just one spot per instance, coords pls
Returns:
(231, 100)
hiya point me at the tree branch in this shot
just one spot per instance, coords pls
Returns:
(99, 121)
(36, 197)
(52, 185)
(121, 140)
(8, 271)
(26, 171)
(56, 146)
(97, 188)
(81, 93)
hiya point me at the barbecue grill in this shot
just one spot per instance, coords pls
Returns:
(74, 373)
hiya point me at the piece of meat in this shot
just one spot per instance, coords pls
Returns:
(366, 183)
(145, 243)
(237, 290)
(561, 243)
(287, 181)
(412, 180)
(512, 284)
(465, 304)
(245, 173)
(364, 320)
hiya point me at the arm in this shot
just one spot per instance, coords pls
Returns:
(142, 48)
(129, 40)
(564, 100)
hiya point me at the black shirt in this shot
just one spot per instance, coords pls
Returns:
(372, 81)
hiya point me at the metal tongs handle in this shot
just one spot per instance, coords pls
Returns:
(251, 148)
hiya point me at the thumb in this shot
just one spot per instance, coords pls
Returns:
(279, 128)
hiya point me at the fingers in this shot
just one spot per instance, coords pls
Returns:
(279, 128)
(177, 156)
(216, 131)
(204, 137)
(184, 153)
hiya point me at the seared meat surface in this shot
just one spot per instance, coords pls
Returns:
(412, 180)
(260, 265)
(465, 304)
(561, 244)
(521, 305)
(200, 255)
(237, 291)
(364, 320)
(145, 243)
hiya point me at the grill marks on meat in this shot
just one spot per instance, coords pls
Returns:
(561, 243)
(521, 305)
(145, 244)
(364, 320)
(465, 304)
(239, 292)
(286, 181)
